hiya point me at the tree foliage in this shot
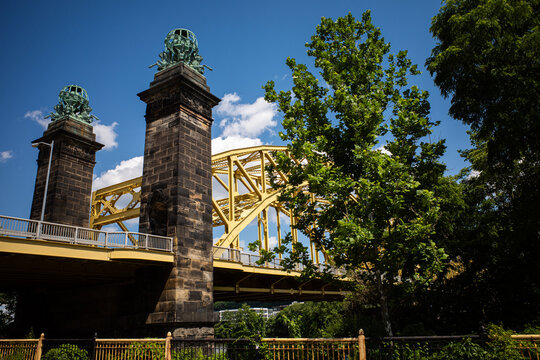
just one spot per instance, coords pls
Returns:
(487, 60)
(309, 320)
(382, 199)
(299, 320)
(243, 323)
(8, 302)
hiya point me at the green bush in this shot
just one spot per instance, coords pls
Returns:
(18, 354)
(501, 345)
(408, 352)
(144, 350)
(196, 354)
(464, 350)
(66, 352)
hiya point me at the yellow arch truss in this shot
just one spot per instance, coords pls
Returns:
(241, 194)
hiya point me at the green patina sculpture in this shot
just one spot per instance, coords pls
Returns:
(73, 103)
(181, 47)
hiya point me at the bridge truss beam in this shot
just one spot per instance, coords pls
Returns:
(241, 194)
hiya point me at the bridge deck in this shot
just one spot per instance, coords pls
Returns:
(35, 253)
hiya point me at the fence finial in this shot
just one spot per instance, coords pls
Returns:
(168, 353)
(362, 345)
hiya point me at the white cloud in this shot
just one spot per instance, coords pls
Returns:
(221, 144)
(38, 117)
(128, 169)
(383, 150)
(106, 135)
(272, 242)
(284, 220)
(245, 120)
(473, 174)
(6, 155)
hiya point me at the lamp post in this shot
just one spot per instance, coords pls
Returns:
(51, 145)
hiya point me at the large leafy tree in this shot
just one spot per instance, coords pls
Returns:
(487, 59)
(7, 311)
(382, 200)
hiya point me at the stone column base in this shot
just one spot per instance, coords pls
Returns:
(197, 331)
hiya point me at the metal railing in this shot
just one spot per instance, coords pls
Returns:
(235, 255)
(357, 348)
(248, 259)
(18, 348)
(316, 349)
(34, 229)
(528, 346)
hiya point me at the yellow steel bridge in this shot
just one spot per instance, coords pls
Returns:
(242, 195)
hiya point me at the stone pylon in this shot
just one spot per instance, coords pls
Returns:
(70, 179)
(176, 195)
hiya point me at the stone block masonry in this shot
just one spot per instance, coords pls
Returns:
(72, 166)
(176, 196)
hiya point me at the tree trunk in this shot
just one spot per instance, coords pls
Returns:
(385, 315)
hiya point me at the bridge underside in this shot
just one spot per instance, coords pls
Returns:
(234, 285)
(30, 264)
(29, 268)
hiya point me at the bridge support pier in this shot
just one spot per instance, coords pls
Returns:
(176, 196)
(70, 180)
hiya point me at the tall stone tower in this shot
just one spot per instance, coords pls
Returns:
(72, 161)
(176, 192)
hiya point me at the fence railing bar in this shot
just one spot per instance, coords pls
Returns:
(26, 228)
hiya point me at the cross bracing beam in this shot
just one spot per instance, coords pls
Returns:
(241, 193)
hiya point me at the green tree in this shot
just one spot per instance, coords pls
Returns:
(487, 59)
(383, 200)
(8, 302)
(309, 320)
(244, 323)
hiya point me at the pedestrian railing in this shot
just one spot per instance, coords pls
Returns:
(34, 229)
(357, 348)
(528, 345)
(248, 259)
(317, 349)
(19, 349)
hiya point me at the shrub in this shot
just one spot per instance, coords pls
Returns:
(196, 354)
(16, 355)
(66, 352)
(464, 350)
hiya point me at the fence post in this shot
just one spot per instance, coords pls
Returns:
(93, 356)
(39, 348)
(168, 354)
(362, 345)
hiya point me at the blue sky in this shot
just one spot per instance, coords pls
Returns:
(106, 47)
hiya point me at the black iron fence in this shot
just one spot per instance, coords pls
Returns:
(216, 349)
(411, 347)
